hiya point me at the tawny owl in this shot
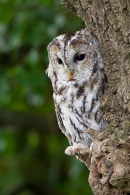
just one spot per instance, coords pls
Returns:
(77, 76)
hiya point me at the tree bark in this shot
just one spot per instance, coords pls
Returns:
(110, 160)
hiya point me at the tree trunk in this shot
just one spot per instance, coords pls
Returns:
(110, 160)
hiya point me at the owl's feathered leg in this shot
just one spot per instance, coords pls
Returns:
(77, 149)
(82, 152)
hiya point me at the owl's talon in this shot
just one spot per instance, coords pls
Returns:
(70, 151)
(77, 150)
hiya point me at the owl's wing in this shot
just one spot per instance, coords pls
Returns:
(59, 118)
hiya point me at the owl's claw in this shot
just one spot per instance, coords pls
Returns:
(77, 150)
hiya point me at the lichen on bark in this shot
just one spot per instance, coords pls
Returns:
(110, 160)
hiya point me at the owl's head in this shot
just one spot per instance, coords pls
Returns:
(74, 56)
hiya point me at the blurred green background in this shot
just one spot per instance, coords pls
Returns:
(32, 159)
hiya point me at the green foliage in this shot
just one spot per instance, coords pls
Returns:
(32, 159)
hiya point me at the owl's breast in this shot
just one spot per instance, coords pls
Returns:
(78, 106)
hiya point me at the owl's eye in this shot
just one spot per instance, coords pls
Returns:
(59, 61)
(79, 57)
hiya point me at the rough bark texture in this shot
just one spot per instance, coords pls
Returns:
(110, 160)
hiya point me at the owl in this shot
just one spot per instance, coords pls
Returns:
(78, 80)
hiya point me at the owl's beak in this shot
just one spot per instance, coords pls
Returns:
(70, 74)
